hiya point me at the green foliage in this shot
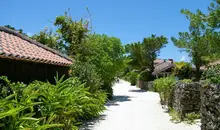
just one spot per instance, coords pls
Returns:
(74, 33)
(18, 30)
(143, 54)
(175, 116)
(98, 59)
(202, 40)
(212, 74)
(107, 55)
(42, 105)
(191, 117)
(194, 42)
(132, 77)
(186, 81)
(182, 70)
(164, 87)
(87, 73)
(50, 39)
(145, 75)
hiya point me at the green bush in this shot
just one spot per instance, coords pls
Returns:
(186, 81)
(42, 105)
(212, 74)
(145, 76)
(183, 70)
(87, 73)
(164, 87)
(191, 117)
(132, 77)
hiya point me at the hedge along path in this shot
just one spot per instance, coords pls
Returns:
(134, 109)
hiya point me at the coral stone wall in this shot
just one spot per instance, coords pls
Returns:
(210, 108)
(186, 98)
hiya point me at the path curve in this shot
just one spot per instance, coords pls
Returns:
(135, 109)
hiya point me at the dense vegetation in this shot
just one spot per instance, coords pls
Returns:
(98, 59)
(164, 86)
(202, 40)
(40, 105)
(141, 56)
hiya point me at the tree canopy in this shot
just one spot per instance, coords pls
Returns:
(202, 39)
(143, 54)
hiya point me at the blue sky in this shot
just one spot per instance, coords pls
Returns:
(129, 20)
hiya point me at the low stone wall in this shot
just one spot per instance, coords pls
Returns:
(185, 98)
(210, 108)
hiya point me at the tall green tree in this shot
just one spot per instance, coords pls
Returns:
(143, 54)
(74, 33)
(202, 40)
(152, 46)
(50, 39)
(212, 20)
(108, 56)
(101, 54)
(195, 41)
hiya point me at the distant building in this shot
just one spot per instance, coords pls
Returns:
(23, 59)
(163, 68)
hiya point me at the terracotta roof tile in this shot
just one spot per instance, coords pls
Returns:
(16, 46)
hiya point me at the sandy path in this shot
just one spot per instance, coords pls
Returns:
(134, 109)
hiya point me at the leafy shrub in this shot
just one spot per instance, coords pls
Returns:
(145, 76)
(42, 105)
(191, 117)
(164, 87)
(212, 74)
(87, 73)
(132, 77)
(183, 70)
(186, 81)
(175, 116)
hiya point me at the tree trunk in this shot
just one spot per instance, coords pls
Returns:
(197, 72)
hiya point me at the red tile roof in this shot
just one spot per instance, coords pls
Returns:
(13, 45)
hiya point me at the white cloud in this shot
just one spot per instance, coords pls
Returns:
(183, 58)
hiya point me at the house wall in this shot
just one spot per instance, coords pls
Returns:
(27, 72)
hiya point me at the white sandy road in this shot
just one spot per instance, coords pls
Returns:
(134, 109)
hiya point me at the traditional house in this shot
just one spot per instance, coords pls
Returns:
(23, 59)
(163, 68)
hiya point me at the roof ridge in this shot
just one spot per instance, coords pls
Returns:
(13, 32)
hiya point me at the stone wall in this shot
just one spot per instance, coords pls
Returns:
(185, 98)
(210, 108)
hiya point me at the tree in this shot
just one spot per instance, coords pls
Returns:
(143, 54)
(195, 41)
(202, 40)
(18, 30)
(107, 54)
(74, 33)
(212, 19)
(50, 39)
(152, 46)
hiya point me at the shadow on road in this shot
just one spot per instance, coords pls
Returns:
(138, 91)
(88, 125)
(118, 98)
